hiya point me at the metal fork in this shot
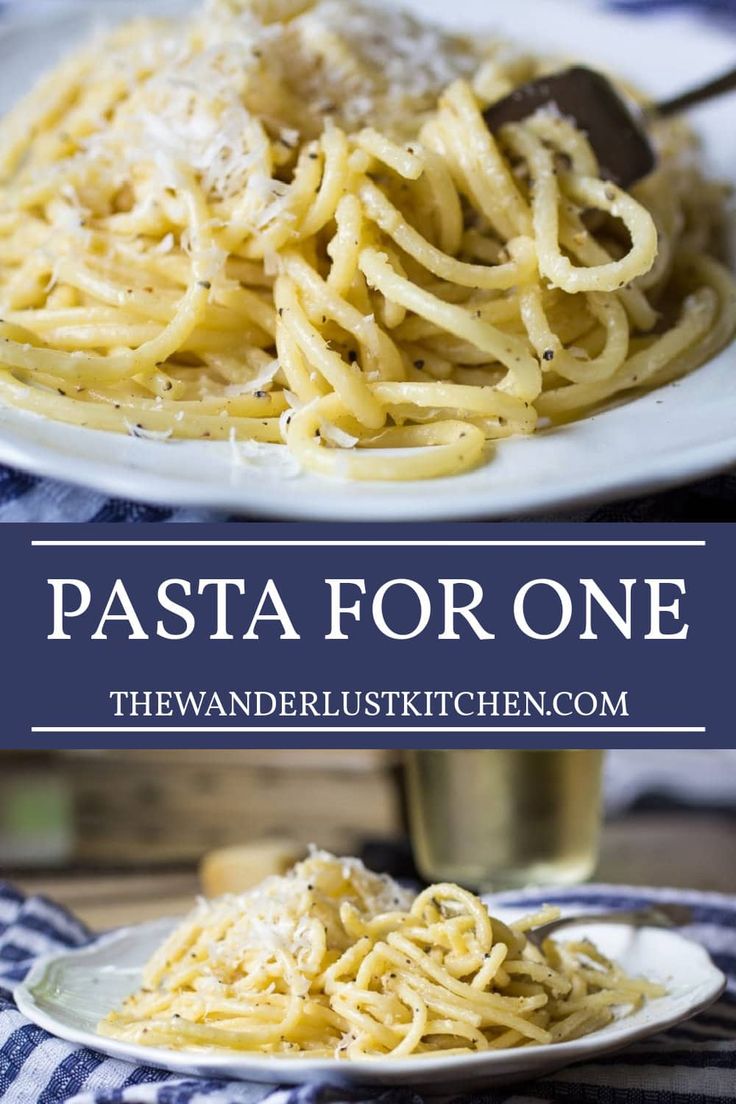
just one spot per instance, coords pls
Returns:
(654, 916)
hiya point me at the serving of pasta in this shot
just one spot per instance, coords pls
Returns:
(331, 960)
(286, 222)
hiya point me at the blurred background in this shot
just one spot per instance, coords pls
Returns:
(126, 835)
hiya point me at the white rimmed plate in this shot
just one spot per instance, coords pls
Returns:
(681, 432)
(68, 993)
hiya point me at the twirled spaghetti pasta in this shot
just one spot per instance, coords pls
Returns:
(285, 221)
(332, 960)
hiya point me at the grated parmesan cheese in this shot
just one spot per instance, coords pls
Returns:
(136, 430)
(336, 436)
(260, 456)
(285, 913)
(213, 92)
(249, 387)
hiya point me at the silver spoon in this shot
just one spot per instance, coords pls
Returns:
(654, 916)
(616, 129)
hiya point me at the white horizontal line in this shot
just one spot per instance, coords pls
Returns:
(365, 729)
(369, 543)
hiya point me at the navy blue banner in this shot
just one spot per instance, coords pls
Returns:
(367, 636)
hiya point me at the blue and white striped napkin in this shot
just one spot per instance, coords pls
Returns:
(723, 8)
(694, 1063)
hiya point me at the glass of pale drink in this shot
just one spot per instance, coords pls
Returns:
(500, 819)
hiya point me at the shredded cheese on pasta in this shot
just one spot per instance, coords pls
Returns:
(285, 221)
(333, 960)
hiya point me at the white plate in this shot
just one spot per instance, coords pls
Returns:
(69, 993)
(675, 434)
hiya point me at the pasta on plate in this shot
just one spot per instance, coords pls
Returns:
(332, 960)
(286, 222)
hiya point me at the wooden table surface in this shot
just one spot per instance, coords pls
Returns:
(677, 850)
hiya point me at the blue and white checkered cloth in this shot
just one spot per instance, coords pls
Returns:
(694, 1063)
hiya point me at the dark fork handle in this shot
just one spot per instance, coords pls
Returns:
(708, 91)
